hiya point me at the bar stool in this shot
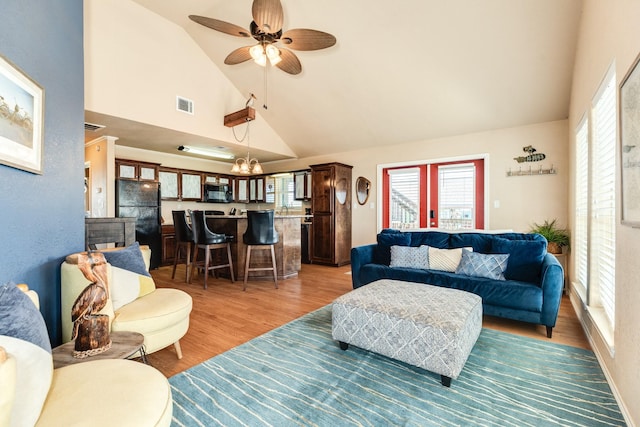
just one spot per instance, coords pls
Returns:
(184, 242)
(261, 233)
(209, 241)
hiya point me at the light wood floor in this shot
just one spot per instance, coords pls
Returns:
(224, 316)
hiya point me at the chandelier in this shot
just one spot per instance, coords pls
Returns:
(246, 165)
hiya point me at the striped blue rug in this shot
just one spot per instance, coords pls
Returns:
(296, 375)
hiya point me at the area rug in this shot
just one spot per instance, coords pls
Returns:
(296, 375)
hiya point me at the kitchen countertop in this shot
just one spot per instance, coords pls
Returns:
(245, 216)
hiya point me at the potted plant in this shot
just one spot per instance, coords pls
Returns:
(555, 235)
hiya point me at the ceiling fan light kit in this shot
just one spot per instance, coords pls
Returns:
(266, 28)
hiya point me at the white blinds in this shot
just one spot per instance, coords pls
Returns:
(456, 195)
(404, 191)
(580, 241)
(603, 213)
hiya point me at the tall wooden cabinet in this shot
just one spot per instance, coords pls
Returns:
(331, 204)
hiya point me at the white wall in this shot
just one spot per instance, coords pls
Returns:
(523, 200)
(610, 32)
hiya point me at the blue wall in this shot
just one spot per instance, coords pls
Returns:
(42, 216)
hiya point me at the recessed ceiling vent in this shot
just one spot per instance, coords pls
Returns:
(91, 127)
(185, 105)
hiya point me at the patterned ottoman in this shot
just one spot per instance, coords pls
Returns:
(427, 326)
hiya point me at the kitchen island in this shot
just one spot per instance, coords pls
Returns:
(287, 250)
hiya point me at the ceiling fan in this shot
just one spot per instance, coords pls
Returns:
(266, 28)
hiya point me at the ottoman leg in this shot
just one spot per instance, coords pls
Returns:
(446, 381)
(343, 345)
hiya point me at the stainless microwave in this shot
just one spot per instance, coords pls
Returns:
(218, 193)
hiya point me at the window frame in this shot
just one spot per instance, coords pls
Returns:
(382, 190)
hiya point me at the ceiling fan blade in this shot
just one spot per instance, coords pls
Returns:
(304, 39)
(290, 62)
(239, 55)
(268, 15)
(221, 26)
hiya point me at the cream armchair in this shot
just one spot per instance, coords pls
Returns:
(99, 393)
(161, 315)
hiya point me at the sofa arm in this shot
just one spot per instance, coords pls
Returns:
(552, 287)
(360, 256)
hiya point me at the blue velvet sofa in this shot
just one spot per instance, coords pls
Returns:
(530, 289)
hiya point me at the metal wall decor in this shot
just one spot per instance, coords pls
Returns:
(532, 156)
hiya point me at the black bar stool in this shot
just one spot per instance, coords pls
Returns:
(184, 243)
(261, 233)
(208, 240)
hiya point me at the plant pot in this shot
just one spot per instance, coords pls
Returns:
(554, 248)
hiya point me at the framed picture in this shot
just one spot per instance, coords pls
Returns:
(630, 145)
(21, 119)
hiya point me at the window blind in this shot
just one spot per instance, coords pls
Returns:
(603, 214)
(404, 206)
(580, 234)
(456, 195)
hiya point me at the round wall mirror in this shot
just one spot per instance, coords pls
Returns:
(363, 186)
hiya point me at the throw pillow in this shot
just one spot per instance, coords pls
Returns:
(126, 286)
(386, 239)
(20, 318)
(445, 259)
(129, 258)
(525, 258)
(409, 256)
(490, 266)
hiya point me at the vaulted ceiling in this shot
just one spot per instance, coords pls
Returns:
(409, 70)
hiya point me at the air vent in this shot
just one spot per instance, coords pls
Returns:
(91, 127)
(185, 105)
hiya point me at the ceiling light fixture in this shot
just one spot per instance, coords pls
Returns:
(205, 152)
(247, 165)
(260, 53)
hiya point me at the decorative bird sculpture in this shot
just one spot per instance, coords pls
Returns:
(250, 101)
(90, 329)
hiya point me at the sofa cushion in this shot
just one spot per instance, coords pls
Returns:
(444, 259)
(126, 286)
(20, 318)
(409, 256)
(513, 294)
(34, 370)
(480, 242)
(386, 239)
(129, 258)
(525, 258)
(435, 239)
(491, 266)
(158, 310)
(108, 393)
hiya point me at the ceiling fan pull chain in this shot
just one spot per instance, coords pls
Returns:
(265, 90)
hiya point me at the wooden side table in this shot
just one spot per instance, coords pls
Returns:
(562, 259)
(123, 346)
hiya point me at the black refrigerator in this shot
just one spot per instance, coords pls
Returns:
(141, 200)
